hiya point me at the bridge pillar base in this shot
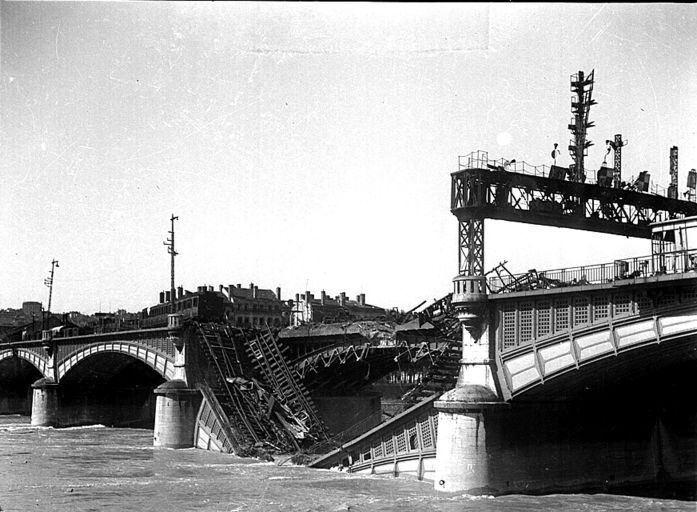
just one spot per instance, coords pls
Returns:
(44, 404)
(461, 451)
(175, 415)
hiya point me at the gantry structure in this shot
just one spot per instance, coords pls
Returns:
(556, 196)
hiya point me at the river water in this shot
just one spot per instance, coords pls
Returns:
(106, 469)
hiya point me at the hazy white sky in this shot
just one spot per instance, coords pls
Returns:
(308, 145)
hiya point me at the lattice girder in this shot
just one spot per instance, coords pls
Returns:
(481, 193)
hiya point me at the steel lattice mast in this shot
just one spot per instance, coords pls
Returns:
(170, 249)
(582, 87)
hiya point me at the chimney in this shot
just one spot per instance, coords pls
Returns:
(199, 289)
(221, 288)
(342, 299)
(278, 292)
(358, 299)
(238, 285)
(251, 286)
(308, 296)
(168, 295)
(210, 288)
(362, 301)
(162, 297)
(324, 298)
(255, 292)
(297, 297)
(180, 292)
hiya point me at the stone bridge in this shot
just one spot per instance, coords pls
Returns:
(99, 378)
(109, 378)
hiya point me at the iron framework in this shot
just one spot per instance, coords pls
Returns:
(479, 193)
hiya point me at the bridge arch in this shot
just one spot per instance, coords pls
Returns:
(588, 354)
(162, 363)
(33, 358)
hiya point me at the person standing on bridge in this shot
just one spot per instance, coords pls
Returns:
(555, 154)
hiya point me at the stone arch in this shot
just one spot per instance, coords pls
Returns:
(37, 361)
(162, 363)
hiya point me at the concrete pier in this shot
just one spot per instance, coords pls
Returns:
(45, 403)
(175, 415)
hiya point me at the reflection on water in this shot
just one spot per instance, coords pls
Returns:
(104, 469)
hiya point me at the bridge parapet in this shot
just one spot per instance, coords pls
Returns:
(156, 339)
(525, 317)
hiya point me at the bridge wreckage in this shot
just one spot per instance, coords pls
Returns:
(258, 385)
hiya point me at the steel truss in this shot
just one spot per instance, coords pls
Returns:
(471, 256)
(482, 193)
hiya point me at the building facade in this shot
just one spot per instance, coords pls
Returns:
(306, 308)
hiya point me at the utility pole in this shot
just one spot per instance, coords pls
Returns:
(49, 282)
(170, 249)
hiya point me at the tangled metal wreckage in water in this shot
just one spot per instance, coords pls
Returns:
(255, 382)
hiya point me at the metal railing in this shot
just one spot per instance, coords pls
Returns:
(480, 160)
(673, 262)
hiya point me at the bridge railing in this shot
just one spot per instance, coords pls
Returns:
(480, 160)
(672, 262)
(412, 433)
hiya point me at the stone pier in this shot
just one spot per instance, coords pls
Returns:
(177, 404)
(462, 454)
(45, 407)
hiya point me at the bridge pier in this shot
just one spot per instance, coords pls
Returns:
(45, 407)
(175, 415)
(462, 453)
(177, 405)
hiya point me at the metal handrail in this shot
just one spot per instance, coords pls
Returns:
(480, 160)
(673, 262)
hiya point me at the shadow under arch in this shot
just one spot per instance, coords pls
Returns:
(110, 387)
(19, 369)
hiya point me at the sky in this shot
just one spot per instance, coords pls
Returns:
(308, 146)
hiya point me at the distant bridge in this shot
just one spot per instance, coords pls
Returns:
(108, 378)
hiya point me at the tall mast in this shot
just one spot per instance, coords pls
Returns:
(170, 249)
(49, 282)
(581, 102)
